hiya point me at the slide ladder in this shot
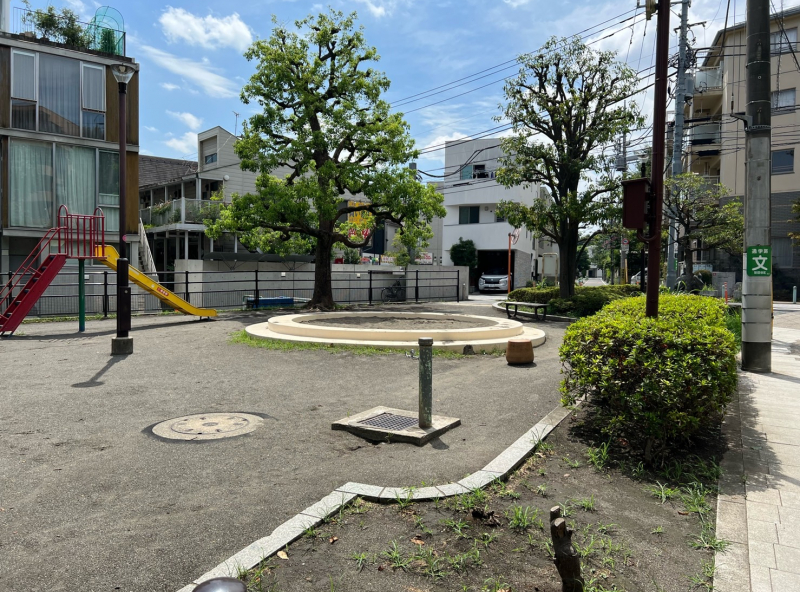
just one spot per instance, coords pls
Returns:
(108, 256)
(20, 293)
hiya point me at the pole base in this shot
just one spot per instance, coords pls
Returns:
(757, 356)
(121, 346)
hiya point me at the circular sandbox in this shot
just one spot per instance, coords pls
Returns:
(400, 330)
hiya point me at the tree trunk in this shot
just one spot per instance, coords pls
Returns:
(567, 262)
(688, 262)
(566, 558)
(323, 285)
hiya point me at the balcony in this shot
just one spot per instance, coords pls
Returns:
(707, 80)
(104, 34)
(180, 211)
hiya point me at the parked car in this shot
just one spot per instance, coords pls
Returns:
(495, 280)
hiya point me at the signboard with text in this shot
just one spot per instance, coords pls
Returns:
(759, 261)
(424, 258)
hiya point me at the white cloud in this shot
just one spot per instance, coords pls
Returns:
(209, 31)
(202, 74)
(169, 86)
(516, 3)
(380, 8)
(192, 121)
(150, 128)
(185, 144)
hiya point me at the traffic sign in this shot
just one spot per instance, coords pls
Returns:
(759, 261)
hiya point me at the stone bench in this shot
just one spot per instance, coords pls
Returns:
(536, 308)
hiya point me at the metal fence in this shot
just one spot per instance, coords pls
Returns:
(244, 289)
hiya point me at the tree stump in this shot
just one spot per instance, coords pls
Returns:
(519, 351)
(566, 559)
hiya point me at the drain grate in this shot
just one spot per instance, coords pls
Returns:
(390, 421)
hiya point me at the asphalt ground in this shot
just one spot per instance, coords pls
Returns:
(91, 501)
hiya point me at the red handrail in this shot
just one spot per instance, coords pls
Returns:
(80, 234)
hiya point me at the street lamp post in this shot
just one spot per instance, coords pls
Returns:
(122, 344)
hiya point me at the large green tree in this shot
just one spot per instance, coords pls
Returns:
(693, 204)
(565, 104)
(326, 126)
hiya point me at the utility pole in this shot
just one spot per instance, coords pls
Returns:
(677, 142)
(757, 268)
(655, 212)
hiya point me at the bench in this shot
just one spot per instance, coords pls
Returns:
(536, 308)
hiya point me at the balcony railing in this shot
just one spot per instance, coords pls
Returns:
(180, 211)
(56, 27)
(708, 79)
(706, 133)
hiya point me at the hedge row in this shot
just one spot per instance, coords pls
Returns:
(586, 301)
(655, 382)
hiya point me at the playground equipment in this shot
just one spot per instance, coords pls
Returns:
(80, 237)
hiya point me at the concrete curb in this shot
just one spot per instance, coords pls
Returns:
(291, 530)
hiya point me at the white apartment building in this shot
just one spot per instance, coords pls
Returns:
(471, 196)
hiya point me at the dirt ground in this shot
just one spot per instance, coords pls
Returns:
(628, 535)
(396, 322)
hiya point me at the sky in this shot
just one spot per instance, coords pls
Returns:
(192, 67)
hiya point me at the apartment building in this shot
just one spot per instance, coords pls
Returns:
(59, 129)
(471, 196)
(716, 140)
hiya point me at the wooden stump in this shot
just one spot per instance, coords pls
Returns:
(566, 559)
(519, 351)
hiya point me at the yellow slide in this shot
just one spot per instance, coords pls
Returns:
(108, 255)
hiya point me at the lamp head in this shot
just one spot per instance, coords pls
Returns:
(123, 73)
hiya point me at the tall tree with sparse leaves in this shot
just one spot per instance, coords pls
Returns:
(324, 122)
(693, 204)
(565, 104)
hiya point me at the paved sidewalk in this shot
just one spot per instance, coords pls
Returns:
(759, 503)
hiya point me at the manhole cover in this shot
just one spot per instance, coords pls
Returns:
(207, 426)
(390, 421)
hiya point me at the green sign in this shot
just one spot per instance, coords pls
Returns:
(759, 261)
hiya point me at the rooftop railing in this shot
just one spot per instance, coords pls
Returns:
(63, 28)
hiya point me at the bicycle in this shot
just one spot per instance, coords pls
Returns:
(394, 293)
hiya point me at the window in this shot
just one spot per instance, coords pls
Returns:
(210, 158)
(778, 41)
(469, 214)
(782, 252)
(466, 172)
(498, 218)
(782, 161)
(57, 95)
(44, 176)
(208, 150)
(783, 100)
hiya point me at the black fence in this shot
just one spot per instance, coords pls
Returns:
(246, 289)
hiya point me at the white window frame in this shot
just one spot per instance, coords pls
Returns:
(778, 42)
(775, 99)
(35, 55)
(105, 105)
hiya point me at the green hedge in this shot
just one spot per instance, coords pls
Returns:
(586, 301)
(657, 381)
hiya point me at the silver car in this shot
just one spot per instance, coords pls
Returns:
(495, 280)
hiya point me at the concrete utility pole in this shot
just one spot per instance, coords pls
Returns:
(757, 268)
(657, 184)
(677, 143)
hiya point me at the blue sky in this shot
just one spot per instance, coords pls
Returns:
(192, 67)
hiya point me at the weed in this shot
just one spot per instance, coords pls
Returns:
(521, 518)
(708, 569)
(662, 492)
(606, 528)
(496, 584)
(311, 532)
(588, 548)
(708, 540)
(361, 559)
(543, 447)
(458, 527)
(395, 557)
(694, 499)
(587, 504)
(359, 507)
(432, 564)
(638, 471)
(573, 464)
(542, 490)
(421, 525)
(403, 502)
(657, 530)
(466, 502)
(502, 490)
(598, 457)
(486, 539)
(548, 547)
(566, 510)
(542, 472)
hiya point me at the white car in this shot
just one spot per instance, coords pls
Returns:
(495, 280)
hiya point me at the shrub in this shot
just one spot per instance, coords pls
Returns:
(655, 382)
(586, 301)
(705, 276)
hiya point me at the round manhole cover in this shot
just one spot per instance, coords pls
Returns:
(207, 426)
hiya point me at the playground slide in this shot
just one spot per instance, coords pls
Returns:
(108, 255)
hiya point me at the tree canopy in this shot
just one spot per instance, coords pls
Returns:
(464, 253)
(341, 155)
(565, 104)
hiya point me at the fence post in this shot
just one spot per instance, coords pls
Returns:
(369, 272)
(105, 294)
(458, 285)
(81, 296)
(257, 301)
(416, 287)
(186, 285)
(425, 381)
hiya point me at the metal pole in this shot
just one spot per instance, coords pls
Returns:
(416, 287)
(509, 264)
(794, 294)
(81, 297)
(123, 344)
(677, 141)
(257, 295)
(657, 183)
(757, 280)
(458, 285)
(105, 294)
(186, 285)
(642, 272)
(369, 273)
(425, 381)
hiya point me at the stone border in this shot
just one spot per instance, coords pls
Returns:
(499, 307)
(291, 530)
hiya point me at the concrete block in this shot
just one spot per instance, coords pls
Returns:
(393, 493)
(787, 558)
(784, 581)
(479, 479)
(452, 489)
(762, 512)
(509, 459)
(766, 532)
(370, 492)
(732, 522)
(759, 579)
(732, 570)
(329, 504)
(761, 554)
